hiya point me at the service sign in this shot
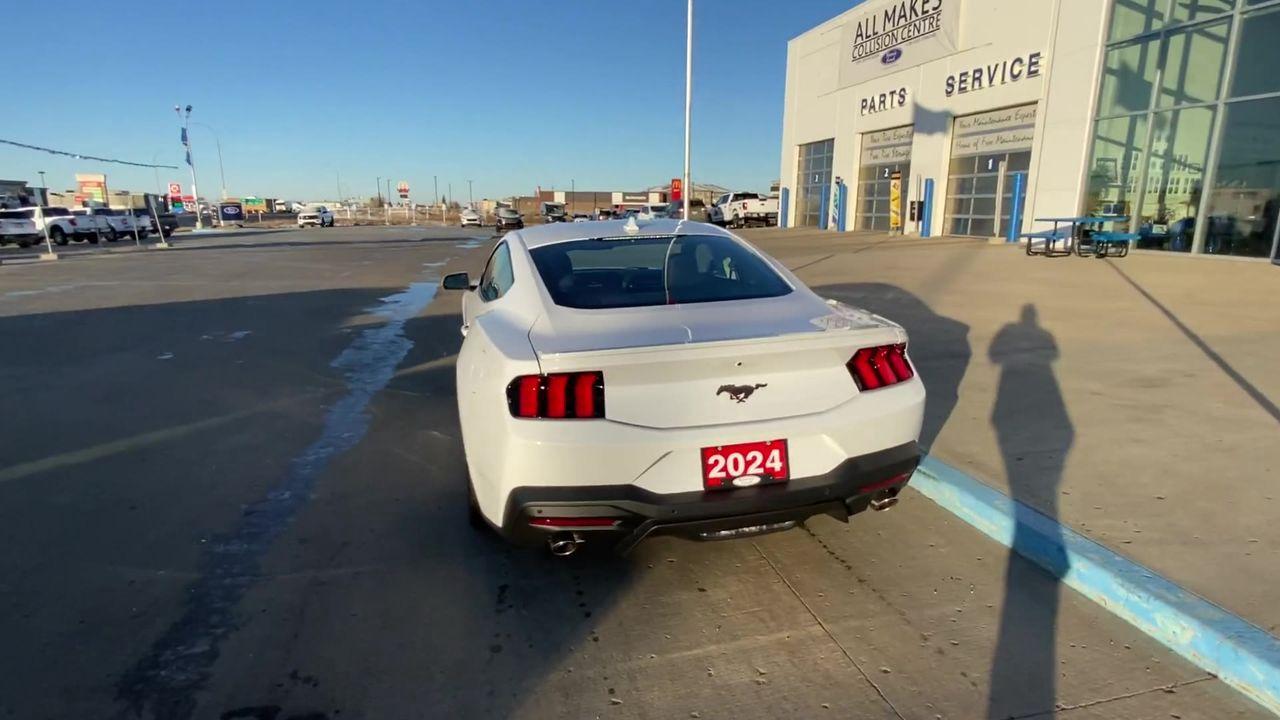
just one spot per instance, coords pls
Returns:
(885, 37)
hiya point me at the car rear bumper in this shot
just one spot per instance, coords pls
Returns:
(846, 490)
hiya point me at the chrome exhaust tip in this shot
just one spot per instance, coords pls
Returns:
(883, 503)
(564, 544)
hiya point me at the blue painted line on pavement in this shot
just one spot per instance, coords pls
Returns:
(1242, 654)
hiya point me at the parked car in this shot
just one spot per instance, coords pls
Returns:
(581, 217)
(18, 227)
(315, 215)
(552, 212)
(91, 226)
(507, 219)
(168, 221)
(604, 214)
(603, 397)
(469, 218)
(62, 225)
(740, 209)
(697, 210)
(652, 211)
(120, 221)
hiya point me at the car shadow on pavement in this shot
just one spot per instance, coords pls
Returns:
(1024, 667)
(938, 345)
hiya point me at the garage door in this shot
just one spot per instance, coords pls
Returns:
(986, 149)
(883, 153)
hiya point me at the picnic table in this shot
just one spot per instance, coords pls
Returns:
(1076, 232)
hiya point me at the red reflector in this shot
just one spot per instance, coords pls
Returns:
(557, 396)
(575, 522)
(899, 478)
(584, 395)
(528, 396)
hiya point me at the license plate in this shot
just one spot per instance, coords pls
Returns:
(745, 464)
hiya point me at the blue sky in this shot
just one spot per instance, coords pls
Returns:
(512, 94)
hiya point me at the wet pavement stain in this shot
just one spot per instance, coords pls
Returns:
(165, 681)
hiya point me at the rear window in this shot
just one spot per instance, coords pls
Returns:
(18, 214)
(666, 270)
(56, 212)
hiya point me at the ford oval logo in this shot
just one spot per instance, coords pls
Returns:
(891, 56)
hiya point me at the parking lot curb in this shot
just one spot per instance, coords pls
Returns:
(1240, 653)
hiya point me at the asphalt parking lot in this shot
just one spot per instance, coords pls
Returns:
(232, 486)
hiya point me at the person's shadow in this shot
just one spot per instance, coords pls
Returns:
(1035, 435)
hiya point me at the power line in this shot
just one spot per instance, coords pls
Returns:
(80, 156)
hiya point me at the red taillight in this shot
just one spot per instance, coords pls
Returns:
(877, 367)
(558, 395)
(574, 522)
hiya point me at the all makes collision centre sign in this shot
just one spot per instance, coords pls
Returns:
(885, 37)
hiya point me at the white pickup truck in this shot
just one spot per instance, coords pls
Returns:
(740, 209)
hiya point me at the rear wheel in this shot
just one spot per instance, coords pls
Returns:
(111, 235)
(57, 235)
(24, 243)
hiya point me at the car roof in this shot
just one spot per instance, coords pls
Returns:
(533, 237)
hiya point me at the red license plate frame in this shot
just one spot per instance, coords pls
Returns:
(725, 467)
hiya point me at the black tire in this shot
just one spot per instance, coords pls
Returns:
(94, 239)
(57, 235)
(111, 235)
(24, 243)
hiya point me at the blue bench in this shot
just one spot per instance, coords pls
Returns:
(1049, 238)
(1105, 243)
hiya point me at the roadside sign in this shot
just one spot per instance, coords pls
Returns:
(403, 188)
(677, 190)
(175, 189)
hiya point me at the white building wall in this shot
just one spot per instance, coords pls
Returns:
(1066, 33)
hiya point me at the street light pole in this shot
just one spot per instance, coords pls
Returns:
(471, 199)
(186, 142)
(218, 142)
(686, 188)
(573, 191)
(387, 217)
(44, 187)
(435, 182)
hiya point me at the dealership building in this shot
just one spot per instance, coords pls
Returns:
(979, 117)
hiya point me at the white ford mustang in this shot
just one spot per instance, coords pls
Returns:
(623, 380)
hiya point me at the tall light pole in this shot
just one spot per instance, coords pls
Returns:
(686, 188)
(186, 143)
(44, 200)
(388, 206)
(573, 190)
(216, 141)
(379, 190)
(471, 199)
(435, 182)
(156, 171)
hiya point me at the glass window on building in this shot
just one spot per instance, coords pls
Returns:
(1245, 198)
(1116, 164)
(1175, 173)
(1189, 159)
(986, 150)
(813, 182)
(883, 153)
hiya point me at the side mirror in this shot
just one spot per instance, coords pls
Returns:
(456, 281)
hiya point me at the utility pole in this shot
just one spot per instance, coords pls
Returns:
(387, 207)
(435, 182)
(341, 199)
(686, 188)
(471, 199)
(218, 142)
(379, 191)
(186, 142)
(573, 191)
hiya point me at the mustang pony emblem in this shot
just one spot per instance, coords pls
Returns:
(740, 393)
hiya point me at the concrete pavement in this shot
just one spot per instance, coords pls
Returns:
(1135, 399)
(234, 489)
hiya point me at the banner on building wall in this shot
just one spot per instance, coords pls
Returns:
(891, 35)
(1001, 131)
(895, 201)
